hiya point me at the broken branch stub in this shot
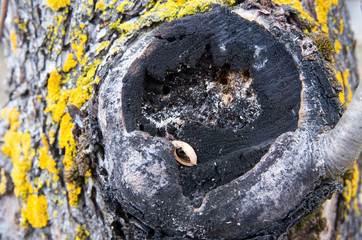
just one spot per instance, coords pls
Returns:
(245, 98)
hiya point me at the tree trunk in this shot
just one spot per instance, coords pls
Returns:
(179, 119)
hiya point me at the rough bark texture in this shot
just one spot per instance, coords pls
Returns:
(99, 89)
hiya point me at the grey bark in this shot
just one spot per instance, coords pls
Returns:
(343, 144)
(136, 191)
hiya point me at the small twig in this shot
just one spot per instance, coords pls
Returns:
(4, 10)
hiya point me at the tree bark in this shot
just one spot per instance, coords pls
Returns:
(100, 90)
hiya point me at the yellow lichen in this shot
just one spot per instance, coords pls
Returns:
(297, 5)
(123, 5)
(346, 76)
(51, 136)
(69, 63)
(102, 46)
(55, 103)
(3, 182)
(100, 5)
(341, 26)
(13, 40)
(82, 233)
(53, 87)
(47, 162)
(337, 46)
(340, 80)
(322, 8)
(78, 46)
(343, 78)
(356, 207)
(17, 146)
(36, 211)
(57, 4)
(73, 193)
(350, 188)
(39, 97)
(355, 179)
(66, 140)
(192, 7)
(165, 12)
(4, 112)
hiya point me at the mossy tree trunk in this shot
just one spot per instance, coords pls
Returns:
(99, 90)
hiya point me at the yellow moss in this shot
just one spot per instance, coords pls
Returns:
(16, 145)
(69, 63)
(337, 46)
(36, 211)
(3, 182)
(57, 4)
(55, 213)
(322, 8)
(123, 5)
(13, 40)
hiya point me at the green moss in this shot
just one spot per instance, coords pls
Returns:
(325, 45)
(310, 227)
